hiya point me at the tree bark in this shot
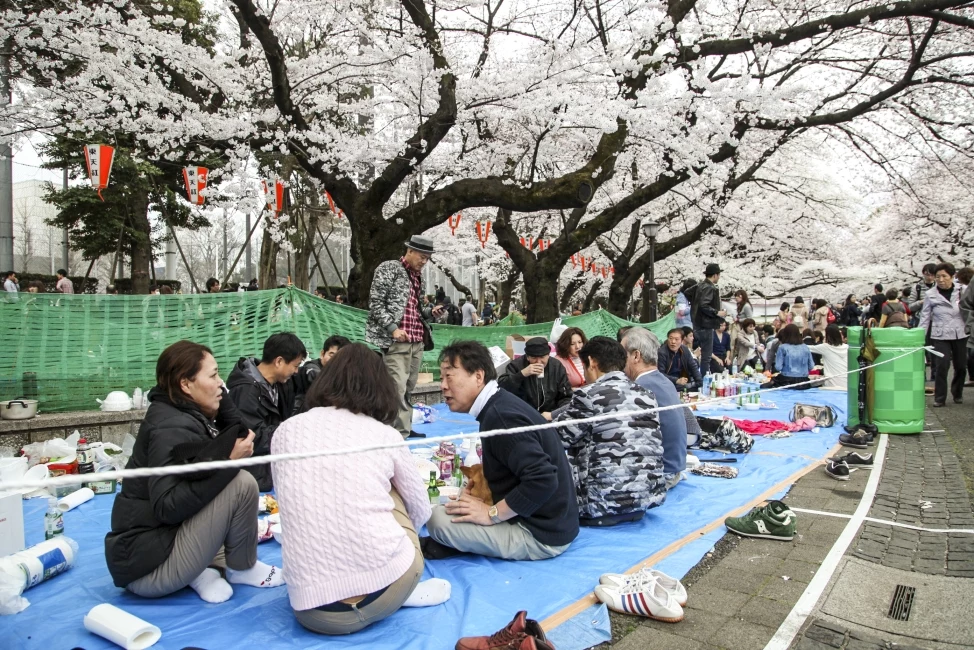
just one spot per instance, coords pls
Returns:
(459, 286)
(506, 291)
(590, 298)
(570, 290)
(141, 238)
(267, 264)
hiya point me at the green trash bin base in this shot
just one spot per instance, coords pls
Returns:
(899, 406)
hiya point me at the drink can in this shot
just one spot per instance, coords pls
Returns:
(446, 467)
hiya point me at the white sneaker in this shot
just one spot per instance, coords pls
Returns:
(647, 599)
(672, 585)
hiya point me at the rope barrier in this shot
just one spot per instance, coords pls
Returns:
(146, 472)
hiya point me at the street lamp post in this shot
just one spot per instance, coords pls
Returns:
(650, 229)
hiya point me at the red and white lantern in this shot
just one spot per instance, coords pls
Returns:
(99, 157)
(195, 179)
(274, 197)
(454, 220)
(483, 232)
(574, 259)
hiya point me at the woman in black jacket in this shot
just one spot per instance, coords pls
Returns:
(179, 530)
(851, 312)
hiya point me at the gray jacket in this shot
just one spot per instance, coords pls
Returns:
(967, 311)
(943, 317)
(387, 302)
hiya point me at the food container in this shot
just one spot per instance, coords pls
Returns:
(102, 487)
(447, 492)
(60, 469)
(18, 409)
(117, 400)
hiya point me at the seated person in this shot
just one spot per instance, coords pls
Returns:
(263, 392)
(618, 462)
(356, 560)
(535, 512)
(168, 532)
(691, 345)
(538, 379)
(307, 373)
(642, 351)
(567, 347)
(676, 362)
(792, 360)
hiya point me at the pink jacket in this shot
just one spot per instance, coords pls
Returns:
(340, 537)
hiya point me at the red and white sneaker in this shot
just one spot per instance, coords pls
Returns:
(647, 598)
(672, 585)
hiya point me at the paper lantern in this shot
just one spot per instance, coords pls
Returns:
(195, 179)
(454, 220)
(483, 232)
(574, 259)
(275, 198)
(98, 157)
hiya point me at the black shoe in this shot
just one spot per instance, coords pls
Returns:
(433, 550)
(837, 470)
(958, 400)
(871, 429)
(858, 440)
(939, 404)
(854, 458)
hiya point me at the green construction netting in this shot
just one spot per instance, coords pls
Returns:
(66, 351)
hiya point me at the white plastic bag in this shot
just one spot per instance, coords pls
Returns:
(557, 329)
(423, 414)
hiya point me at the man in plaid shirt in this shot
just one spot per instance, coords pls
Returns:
(395, 325)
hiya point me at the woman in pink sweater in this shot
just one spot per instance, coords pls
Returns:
(349, 521)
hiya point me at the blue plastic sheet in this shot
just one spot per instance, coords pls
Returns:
(486, 592)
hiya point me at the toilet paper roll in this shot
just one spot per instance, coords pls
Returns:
(75, 499)
(121, 628)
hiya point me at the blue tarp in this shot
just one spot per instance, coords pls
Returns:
(486, 592)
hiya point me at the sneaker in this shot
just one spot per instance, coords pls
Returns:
(858, 440)
(671, 585)
(837, 469)
(647, 599)
(522, 633)
(854, 458)
(773, 521)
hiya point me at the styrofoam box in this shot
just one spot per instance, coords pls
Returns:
(11, 523)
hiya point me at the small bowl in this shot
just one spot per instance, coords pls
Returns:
(278, 533)
(448, 492)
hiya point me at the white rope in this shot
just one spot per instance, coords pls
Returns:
(146, 472)
(885, 522)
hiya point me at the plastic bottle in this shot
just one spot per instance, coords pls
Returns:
(759, 365)
(734, 368)
(53, 520)
(705, 389)
(45, 560)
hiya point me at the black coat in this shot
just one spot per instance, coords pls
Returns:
(305, 376)
(529, 471)
(147, 512)
(689, 365)
(259, 413)
(704, 304)
(545, 394)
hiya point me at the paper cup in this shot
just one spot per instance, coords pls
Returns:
(75, 499)
(121, 628)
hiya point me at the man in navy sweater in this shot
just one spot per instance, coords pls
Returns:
(535, 511)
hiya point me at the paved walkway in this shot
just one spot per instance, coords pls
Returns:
(741, 592)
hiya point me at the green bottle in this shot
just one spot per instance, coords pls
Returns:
(457, 474)
(433, 491)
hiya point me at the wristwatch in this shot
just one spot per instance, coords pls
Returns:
(492, 513)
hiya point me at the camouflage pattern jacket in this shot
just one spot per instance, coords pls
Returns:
(619, 462)
(387, 302)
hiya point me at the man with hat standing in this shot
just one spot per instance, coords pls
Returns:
(705, 311)
(395, 325)
(538, 379)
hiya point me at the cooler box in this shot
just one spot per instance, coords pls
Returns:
(899, 402)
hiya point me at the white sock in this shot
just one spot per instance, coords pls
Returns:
(259, 575)
(434, 591)
(211, 586)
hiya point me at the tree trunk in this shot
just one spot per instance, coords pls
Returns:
(590, 298)
(267, 264)
(542, 294)
(573, 286)
(304, 239)
(506, 291)
(141, 239)
(459, 286)
(374, 241)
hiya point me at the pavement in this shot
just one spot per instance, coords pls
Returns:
(741, 592)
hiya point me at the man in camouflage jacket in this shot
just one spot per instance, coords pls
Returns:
(619, 462)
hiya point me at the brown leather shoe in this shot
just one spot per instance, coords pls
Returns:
(522, 633)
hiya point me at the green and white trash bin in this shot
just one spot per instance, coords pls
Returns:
(897, 395)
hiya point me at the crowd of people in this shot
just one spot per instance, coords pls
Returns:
(351, 546)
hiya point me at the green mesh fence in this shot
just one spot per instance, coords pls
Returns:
(66, 351)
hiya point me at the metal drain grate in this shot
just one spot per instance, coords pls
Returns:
(902, 603)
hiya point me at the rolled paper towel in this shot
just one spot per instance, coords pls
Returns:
(121, 628)
(75, 499)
